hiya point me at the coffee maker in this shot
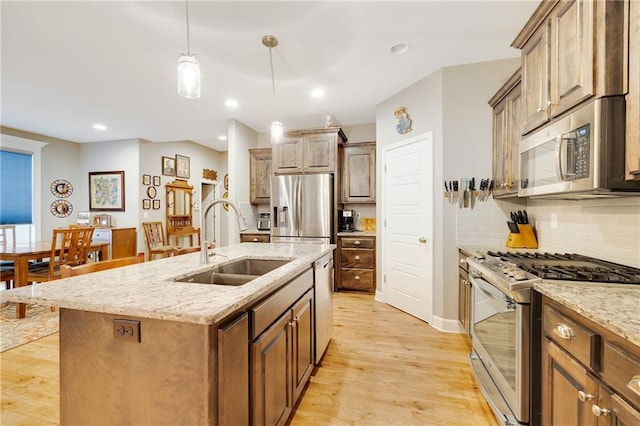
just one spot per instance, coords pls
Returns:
(346, 220)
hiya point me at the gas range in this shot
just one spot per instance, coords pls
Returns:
(516, 273)
(570, 267)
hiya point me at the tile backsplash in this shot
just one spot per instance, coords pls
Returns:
(608, 229)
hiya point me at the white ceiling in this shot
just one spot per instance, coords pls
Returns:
(67, 65)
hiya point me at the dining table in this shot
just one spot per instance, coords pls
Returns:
(23, 252)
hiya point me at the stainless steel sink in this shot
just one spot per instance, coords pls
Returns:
(235, 273)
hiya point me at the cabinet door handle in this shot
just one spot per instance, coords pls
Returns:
(584, 397)
(356, 242)
(599, 412)
(357, 258)
(563, 331)
(634, 385)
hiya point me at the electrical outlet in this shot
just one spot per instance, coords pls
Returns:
(128, 330)
(554, 220)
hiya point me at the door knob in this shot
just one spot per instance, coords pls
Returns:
(422, 240)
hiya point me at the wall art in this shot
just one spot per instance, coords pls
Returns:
(106, 191)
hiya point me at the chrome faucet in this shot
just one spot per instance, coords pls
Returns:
(242, 225)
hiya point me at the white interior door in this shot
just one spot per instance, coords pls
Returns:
(407, 254)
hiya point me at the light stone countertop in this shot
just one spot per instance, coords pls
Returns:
(147, 289)
(614, 307)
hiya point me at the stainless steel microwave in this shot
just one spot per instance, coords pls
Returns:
(580, 155)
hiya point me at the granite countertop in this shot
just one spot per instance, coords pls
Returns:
(613, 307)
(148, 289)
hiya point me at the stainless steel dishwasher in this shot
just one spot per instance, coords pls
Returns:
(323, 279)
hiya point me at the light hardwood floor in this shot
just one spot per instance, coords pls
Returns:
(383, 367)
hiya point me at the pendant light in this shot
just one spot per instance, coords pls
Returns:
(188, 69)
(277, 132)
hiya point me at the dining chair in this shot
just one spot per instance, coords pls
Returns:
(7, 236)
(71, 271)
(156, 245)
(69, 246)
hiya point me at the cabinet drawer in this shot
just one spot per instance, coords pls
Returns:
(358, 279)
(579, 341)
(354, 258)
(621, 370)
(254, 238)
(350, 242)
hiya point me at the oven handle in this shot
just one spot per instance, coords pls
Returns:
(494, 291)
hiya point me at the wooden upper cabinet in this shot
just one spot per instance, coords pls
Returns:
(287, 156)
(507, 129)
(260, 174)
(572, 66)
(308, 151)
(535, 78)
(632, 167)
(564, 63)
(358, 174)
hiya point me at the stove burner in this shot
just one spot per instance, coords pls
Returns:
(570, 267)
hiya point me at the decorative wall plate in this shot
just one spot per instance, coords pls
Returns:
(61, 188)
(61, 208)
(225, 205)
(151, 192)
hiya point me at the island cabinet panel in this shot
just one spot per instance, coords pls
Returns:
(303, 348)
(260, 176)
(590, 375)
(165, 378)
(233, 372)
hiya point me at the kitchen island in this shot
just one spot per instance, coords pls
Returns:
(137, 347)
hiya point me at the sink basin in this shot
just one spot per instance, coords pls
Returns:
(235, 273)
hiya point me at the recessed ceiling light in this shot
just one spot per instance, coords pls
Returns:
(222, 137)
(317, 93)
(231, 103)
(98, 126)
(399, 48)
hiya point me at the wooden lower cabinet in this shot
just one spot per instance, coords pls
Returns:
(357, 270)
(233, 372)
(590, 376)
(255, 238)
(281, 363)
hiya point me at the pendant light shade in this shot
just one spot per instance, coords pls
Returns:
(188, 76)
(270, 42)
(277, 132)
(188, 69)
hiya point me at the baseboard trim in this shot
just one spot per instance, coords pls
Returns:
(446, 325)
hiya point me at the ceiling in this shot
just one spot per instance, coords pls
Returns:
(68, 65)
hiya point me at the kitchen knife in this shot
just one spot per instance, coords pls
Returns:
(513, 227)
(520, 217)
(514, 217)
(526, 216)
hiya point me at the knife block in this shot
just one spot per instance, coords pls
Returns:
(526, 238)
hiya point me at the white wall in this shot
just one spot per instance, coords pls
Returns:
(452, 103)
(241, 139)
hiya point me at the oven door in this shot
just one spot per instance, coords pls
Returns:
(500, 340)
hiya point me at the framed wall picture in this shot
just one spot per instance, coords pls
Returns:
(146, 179)
(106, 191)
(156, 181)
(168, 166)
(146, 204)
(182, 167)
(156, 204)
(151, 192)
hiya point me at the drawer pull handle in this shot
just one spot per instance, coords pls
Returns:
(584, 397)
(357, 258)
(255, 240)
(357, 277)
(634, 385)
(356, 242)
(599, 412)
(563, 331)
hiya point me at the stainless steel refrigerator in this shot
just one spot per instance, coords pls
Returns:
(302, 208)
